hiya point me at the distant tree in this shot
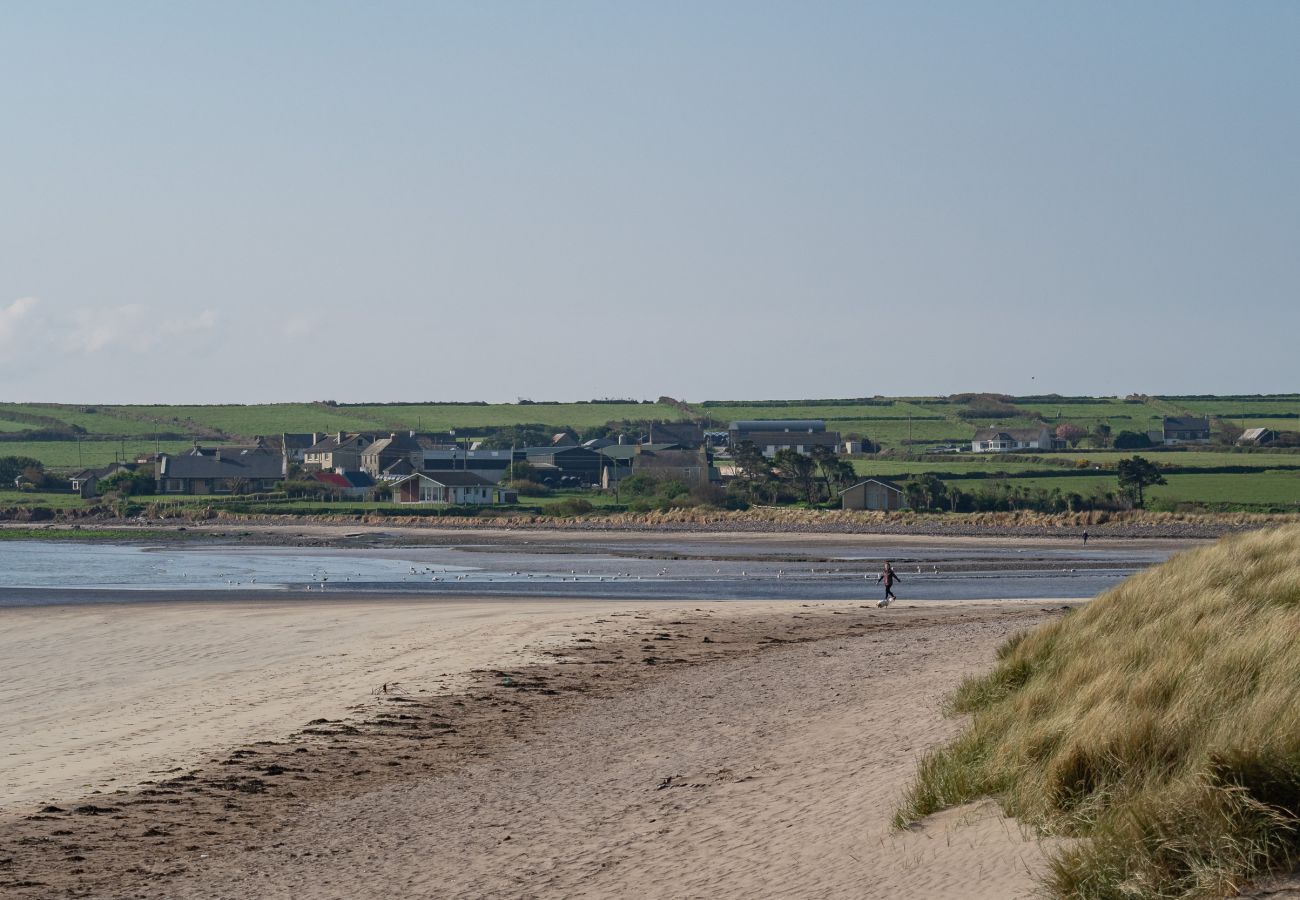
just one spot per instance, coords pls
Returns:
(518, 470)
(1136, 475)
(1070, 433)
(828, 464)
(925, 491)
(845, 474)
(1227, 433)
(753, 469)
(797, 470)
(1131, 440)
(12, 467)
(1100, 436)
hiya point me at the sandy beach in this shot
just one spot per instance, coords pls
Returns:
(528, 750)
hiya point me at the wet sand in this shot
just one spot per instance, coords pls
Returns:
(528, 750)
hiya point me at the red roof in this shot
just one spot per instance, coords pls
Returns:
(333, 479)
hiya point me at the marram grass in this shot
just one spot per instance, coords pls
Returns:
(1159, 725)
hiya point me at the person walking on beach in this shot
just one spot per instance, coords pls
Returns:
(889, 576)
(1085, 538)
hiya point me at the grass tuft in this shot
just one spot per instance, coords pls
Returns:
(1160, 725)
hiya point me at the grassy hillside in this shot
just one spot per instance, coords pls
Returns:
(64, 436)
(1160, 725)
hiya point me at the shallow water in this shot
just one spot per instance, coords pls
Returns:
(41, 572)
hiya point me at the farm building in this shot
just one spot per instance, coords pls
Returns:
(1257, 437)
(556, 464)
(771, 435)
(873, 493)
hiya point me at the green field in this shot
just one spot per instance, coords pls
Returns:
(65, 455)
(258, 419)
(1268, 488)
(442, 417)
(906, 423)
(1199, 459)
(49, 499)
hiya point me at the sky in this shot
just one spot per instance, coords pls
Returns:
(249, 202)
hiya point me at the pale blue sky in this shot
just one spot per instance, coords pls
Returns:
(239, 202)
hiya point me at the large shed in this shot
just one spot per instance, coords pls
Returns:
(874, 493)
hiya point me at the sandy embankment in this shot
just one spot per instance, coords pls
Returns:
(765, 761)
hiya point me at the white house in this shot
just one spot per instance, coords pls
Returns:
(1007, 440)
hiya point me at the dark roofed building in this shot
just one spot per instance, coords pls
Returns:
(294, 446)
(553, 463)
(1186, 430)
(772, 435)
(219, 473)
(386, 451)
(683, 434)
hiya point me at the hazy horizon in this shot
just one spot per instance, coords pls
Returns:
(410, 201)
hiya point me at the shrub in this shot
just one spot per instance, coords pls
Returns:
(571, 506)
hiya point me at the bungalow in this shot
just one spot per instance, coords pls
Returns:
(1007, 440)
(1185, 430)
(219, 473)
(874, 493)
(458, 488)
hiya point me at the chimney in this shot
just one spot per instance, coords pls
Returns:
(340, 437)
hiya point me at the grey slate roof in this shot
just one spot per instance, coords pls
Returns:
(245, 464)
(1186, 423)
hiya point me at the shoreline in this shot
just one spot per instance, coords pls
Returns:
(1126, 525)
(185, 831)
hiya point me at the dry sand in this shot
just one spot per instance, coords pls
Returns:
(639, 759)
(99, 696)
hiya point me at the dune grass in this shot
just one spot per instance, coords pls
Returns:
(1160, 725)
